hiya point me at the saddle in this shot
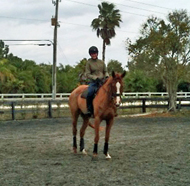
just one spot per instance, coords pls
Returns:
(85, 92)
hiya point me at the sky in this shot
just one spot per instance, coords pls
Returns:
(31, 20)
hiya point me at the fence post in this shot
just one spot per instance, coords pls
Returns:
(179, 105)
(13, 110)
(143, 105)
(168, 104)
(50, 109)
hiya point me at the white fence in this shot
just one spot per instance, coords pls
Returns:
(44, 96)
(61, 96)
(153, 94)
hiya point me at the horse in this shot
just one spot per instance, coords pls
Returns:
(107, 99)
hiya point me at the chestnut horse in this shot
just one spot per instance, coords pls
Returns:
(107, 98)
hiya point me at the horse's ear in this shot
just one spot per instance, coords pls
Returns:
(113, 74)
(123, 75)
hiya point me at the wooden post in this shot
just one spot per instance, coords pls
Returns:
(56, 24)
(13, 110)
(179, 105)
(50, 109)
(143, 105)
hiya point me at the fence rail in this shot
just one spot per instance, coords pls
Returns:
(30, 96)
(153, 102)
(49, 107)
(32, 108)
(154, 94)
(60, 96)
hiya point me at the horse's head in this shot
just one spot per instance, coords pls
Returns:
(117, 87)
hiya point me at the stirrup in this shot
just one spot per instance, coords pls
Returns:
(88, 113)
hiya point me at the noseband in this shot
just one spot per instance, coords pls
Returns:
(115, 95)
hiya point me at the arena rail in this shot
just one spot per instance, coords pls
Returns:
(31, 96)
(49, 107)
(60, 96)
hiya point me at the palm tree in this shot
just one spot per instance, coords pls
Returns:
(105, 24)
(6, 71)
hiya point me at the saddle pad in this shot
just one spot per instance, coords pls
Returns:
(84, 94)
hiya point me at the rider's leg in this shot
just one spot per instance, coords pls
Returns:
(90, 96)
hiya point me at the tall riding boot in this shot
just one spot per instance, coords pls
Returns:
(89, 105)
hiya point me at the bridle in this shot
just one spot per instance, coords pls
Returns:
(115, 94)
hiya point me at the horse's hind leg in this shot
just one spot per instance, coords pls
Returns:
(82, 132)
(74, 124)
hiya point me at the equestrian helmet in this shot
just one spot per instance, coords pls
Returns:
(93, 50)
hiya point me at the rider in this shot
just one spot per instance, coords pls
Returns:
(95, 71)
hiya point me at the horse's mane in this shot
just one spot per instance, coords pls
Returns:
(107, 87)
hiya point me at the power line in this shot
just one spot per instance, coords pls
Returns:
(66, 22)
(87, 4)
(138, 8)
(73, 24)
(82, 3)
(21, 18)
(134, 14)
(62, 52)
(149, 4)
(88, 26)
(120, 10)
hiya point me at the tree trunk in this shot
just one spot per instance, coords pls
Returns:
(172, 90)
(171, 82)
(103, 50)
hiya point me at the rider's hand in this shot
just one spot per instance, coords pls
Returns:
(98, 80)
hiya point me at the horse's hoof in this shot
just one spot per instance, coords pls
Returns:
(108, 156)
(95, 157)
(74, 150)
(84, 152)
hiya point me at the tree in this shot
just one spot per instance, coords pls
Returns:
(163, 49)
(7, 74)
(67, 79)
(114, 65)
(6, 70)
(80, 70)
(136, 81)
(105, 24)
(4, 50)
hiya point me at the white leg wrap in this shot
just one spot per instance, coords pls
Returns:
(84, 152)
(108, 156)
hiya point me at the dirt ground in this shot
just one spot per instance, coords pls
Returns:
(146, 151)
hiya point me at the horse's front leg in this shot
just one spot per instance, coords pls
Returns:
(109, 124)
(82, 132)
(97, 122)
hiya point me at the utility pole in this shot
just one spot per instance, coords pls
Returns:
(55, 23)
